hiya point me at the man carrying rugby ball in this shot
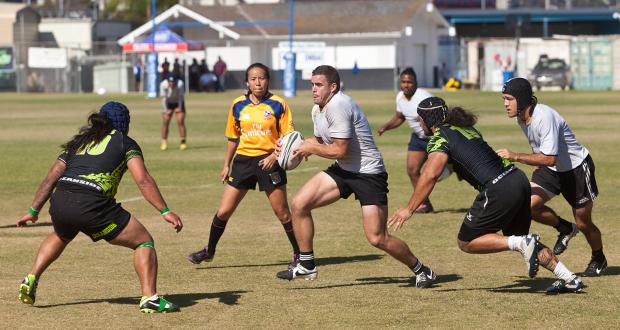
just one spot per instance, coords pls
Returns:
(342, 133)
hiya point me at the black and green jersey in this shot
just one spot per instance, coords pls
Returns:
(470, 156)
(101, 166)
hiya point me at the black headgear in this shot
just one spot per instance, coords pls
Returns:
(521, 89)
(118, 114)
(433, 111)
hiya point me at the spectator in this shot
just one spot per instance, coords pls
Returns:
(137, 75)
(194, 75)
(176, 69)
(165, 69)
(208, 82)
(220, 70)
(203, 67)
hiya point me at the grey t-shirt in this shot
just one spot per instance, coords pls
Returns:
(549, 134)
(176, 94)
(341, 118)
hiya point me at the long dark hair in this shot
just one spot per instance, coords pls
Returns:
(98, 127)
(460, 117)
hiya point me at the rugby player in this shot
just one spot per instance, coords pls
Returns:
(503, 202)
(563, 165)
(172, 91)
(86, 176)
(342, 133)
(407, 101)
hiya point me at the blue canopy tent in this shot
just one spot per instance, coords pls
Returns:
(163, 40)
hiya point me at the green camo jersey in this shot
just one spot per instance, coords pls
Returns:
(471, 157)
(101, 166)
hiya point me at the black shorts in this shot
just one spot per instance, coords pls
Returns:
(77, 209)
(369, 189)
(169, 106)
(246, 172)
(416, 143)
(578, 186)
(503, 206)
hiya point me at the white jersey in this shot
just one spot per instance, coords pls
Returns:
(409, 109)
(549, 134)
(176, 94)
(341, 118)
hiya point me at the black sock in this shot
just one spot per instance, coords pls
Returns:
(598, 255)
(563, 226)
(306, 259)
(217, 229)
(417, 268)
(288, 228)
(182, 140)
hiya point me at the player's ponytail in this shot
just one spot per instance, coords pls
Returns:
(460, 117)
(98, 127)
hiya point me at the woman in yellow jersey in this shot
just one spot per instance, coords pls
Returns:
(256, 120)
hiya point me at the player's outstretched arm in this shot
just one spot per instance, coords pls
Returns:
(394, 122)
(432, 171)
(534, 159)
(150, 191)
(43, 192)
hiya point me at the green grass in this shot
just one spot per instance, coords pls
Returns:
(94, 285)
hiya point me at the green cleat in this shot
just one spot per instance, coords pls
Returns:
(159, 305)
(28, 289)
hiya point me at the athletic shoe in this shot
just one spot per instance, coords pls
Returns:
(595, 267)
(562, 243)
(298, 272)
(425, 207)
(529, 249)
(159, 305)
(163, 145)
(425, 278)
(295, 261)
(200, 256)
(28, 289)
(183, 146)
(575, 285)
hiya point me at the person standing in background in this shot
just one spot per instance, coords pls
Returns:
(220, 69)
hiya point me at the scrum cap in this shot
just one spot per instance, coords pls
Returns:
(433, 111)
(521, 89)
(118, 114)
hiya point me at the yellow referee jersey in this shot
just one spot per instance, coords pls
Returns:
(258, 126)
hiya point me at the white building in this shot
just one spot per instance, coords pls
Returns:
(367, 41)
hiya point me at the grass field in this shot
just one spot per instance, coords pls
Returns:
(94, 285)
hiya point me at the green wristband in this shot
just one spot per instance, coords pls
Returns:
(33, 212)
(165, 210)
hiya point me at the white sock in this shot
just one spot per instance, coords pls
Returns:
(514, 242)
(563, 273)
(153, 297)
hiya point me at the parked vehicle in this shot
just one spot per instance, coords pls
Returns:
(551, 72)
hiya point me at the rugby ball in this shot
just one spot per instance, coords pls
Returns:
(290, 142)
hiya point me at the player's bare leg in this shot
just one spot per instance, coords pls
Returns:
(180, 117)
(166, 116)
